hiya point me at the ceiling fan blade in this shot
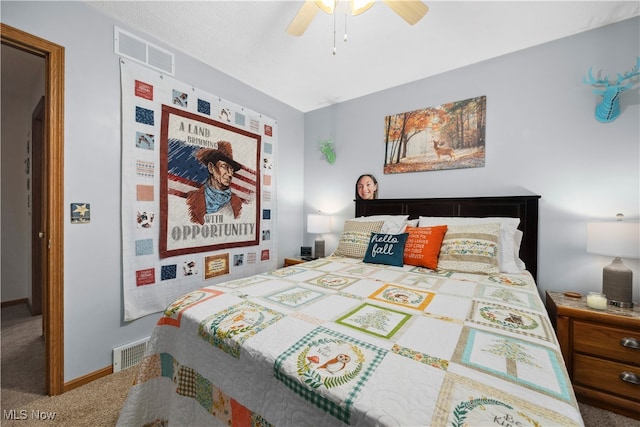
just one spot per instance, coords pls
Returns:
(303, 18)
(410, 10)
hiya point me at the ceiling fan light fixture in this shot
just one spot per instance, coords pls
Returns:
(327, 6)
(411, 11)
(359, 6)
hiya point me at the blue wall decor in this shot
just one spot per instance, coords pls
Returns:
(609, 108)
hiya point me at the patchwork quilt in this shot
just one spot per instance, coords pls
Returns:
(337, 341)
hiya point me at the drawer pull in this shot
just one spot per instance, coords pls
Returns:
(630, 343)
(630, 377)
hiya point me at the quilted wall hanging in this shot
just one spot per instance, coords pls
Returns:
(198, 193)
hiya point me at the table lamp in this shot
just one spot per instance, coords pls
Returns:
(620, 239)
(318, 224)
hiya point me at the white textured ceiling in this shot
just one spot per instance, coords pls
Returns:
(247, 40)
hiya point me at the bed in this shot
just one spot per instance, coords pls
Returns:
(366, 337)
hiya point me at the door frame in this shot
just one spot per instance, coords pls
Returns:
(38, 243)
(53, 292)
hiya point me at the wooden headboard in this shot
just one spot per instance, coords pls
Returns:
(523, 207)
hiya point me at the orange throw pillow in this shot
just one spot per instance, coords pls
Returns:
(423, 245)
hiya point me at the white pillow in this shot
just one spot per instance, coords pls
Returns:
(517, 241)
(506, 245)
(393, 224)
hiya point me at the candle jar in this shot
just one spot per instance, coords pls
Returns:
(597, 300)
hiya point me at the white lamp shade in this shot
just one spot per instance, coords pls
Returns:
(614, 238)
(318, 224)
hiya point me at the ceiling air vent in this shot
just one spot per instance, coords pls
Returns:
(139, 50)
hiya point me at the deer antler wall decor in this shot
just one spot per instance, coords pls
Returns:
(609, 108)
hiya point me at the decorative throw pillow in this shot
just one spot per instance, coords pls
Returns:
(423, 245)
(386, 249)
(507, 263)
(470, 249)
(354, 239)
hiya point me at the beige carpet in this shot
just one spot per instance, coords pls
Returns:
(95, 404)
(99, 402)
(22, 349)
(23, 395)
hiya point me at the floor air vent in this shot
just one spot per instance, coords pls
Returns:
(129, 355)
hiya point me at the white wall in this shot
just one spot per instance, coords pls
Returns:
(542, 138)
(92, 270)
(15, 214)
(16, 111)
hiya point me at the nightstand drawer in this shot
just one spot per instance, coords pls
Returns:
(602, 340)
(604, 375)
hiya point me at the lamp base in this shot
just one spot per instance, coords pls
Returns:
(319, 248)
(617, 284)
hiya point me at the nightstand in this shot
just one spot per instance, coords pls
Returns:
(601, 349)
(293, 261)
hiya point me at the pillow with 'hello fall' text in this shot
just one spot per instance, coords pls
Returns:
(386, 249)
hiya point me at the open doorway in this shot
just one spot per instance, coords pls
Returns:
(38, 201)
(52, 198)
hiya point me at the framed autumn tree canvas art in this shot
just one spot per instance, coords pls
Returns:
(449, 136)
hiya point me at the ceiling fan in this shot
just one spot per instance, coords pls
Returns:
(411, 11)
